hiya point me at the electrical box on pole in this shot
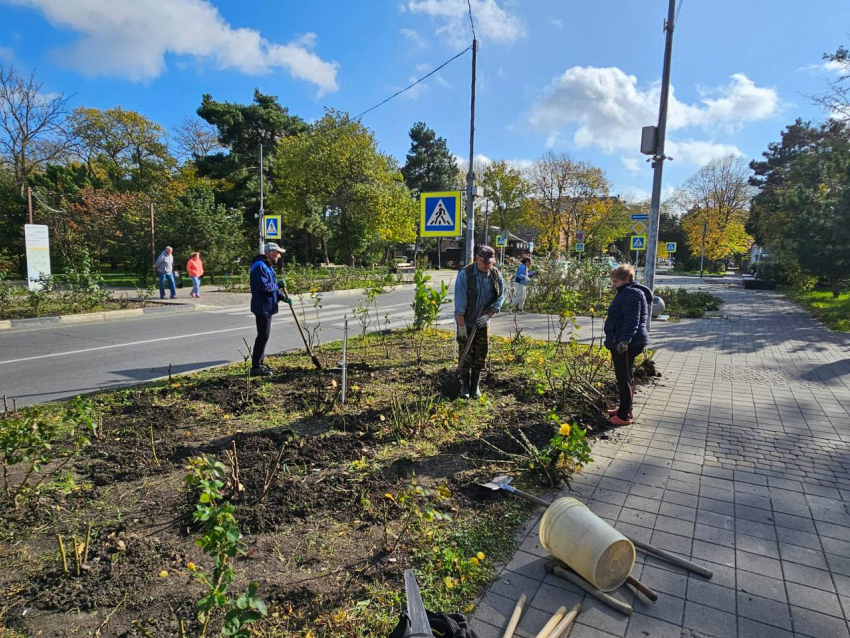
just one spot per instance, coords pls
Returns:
(649, 140)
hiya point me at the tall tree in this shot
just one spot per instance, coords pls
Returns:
(123, 147)
(506, 189)
(430, 166)
(836, 100)
(334, 180)
(717, 197)
(32, 130)
(195, 139)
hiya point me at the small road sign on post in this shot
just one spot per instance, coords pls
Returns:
(580, 236)
(671, 246)
(440, 214)
(501, 241)
(580, 246)
(271, 227)
(638, 242)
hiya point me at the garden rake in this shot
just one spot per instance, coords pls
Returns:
(315, 359)
(452, 386)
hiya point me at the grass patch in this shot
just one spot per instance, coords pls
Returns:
(834, 313)
(334, 501)
(695, 273)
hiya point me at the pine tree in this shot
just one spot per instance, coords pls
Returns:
(430, 167)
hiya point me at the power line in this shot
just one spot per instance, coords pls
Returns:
(471, 22)
(407, 88)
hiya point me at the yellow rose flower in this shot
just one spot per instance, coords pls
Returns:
(565, 429)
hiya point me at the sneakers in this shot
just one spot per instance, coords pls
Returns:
(617, 421)
(262, 371)
(614, 413)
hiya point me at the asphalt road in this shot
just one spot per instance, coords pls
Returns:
(58, 362)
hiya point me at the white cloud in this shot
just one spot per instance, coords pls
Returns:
(492, 22)
(424, 67)
(608, 110)
(634, 194)
(415, 92)
(557, 23)
(442, 81)
(415, 38)
(830, 66)
(7, 55)
(700, 152)
(631, 164)
(130, 38)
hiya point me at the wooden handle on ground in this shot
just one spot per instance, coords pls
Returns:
(577, 580)
(643, 589)
(514, 621)
(565, 624)
(673, 558)
(553, 621)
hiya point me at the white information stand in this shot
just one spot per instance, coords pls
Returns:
(37, 242)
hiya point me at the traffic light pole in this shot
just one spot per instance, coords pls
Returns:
(659, 157)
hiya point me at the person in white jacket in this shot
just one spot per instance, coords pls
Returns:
(165, 270)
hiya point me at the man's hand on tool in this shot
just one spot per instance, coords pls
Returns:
(482, 320)
(622, 347)
(462, 336)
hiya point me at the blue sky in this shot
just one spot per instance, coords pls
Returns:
(567, 75)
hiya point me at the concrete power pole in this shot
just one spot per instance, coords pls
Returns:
(659, 157)
(470, 176)
(262, 212)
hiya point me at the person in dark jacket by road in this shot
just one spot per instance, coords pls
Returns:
(265, 295)
(626, 336)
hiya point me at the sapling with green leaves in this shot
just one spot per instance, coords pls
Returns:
(222, 541)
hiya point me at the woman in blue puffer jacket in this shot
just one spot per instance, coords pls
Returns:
(626, 336)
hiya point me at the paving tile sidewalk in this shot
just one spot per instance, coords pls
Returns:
(740, 460)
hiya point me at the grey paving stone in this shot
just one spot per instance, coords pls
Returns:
(802, 555)
(714, 519)
(808, 576)
(549, 598)
(751, 629)
(794, 522)
(664, 580)
(600, 616)
(713, 553)
(672, 542)
(719, 507)
(714, 535)
(495, 609)
(637, 517)
(643, 626)
(609, 496)
(757, 564)
(529, 565)
(674, 526)
(764, 610)
(763, 586)
(795, 537)
(838, 564)
(709, 621)
(666, 608)
(812, 623)
(484, 630)
(711, 595)
(814, 599)
(756, 545)
(832, 531)
(532, 622)
(836, 546)
(510, 585)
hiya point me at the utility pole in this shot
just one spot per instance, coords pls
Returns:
(659, 157)
(262, 212)
(470, 176)
(29, 201)
(702, 256)
(153, 244)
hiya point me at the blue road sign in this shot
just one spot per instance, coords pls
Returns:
(636, 217)
(671, 246)
(440, 214)
(501, 241)
(638, 242)
(271, 227)
(580, 246)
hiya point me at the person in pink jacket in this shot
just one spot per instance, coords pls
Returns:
(195, 268)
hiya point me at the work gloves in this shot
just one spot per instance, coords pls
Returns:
(281, 283)
(462, 336)
(622, 347)
(482, 321)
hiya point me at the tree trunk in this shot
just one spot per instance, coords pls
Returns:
(325, 252)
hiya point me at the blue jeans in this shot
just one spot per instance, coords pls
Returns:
(196, 285)
(163, 276)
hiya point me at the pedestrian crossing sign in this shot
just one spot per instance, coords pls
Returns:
(501, 241)
(580, 246)
(271, 227)
(638, 242)
(440, 214)
(671, 246)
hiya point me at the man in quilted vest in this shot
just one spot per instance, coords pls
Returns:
(479, 293)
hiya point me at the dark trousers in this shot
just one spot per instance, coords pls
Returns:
(264, 329)
(624, 365)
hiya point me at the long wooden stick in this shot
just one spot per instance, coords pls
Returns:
(315, 359)
(577, 580)
(514, 621)
(672, 558)
(643, 589)
(553, 621)
(564, 626)
(62, 554)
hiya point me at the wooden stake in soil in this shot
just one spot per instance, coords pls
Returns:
(5, 405)
(514, 621)
(76, 556)
(62, 553)
(88, 540)
(153, 448)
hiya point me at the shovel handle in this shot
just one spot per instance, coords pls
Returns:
(643, 589)
(563, 627)
(672, 558)
(465, 352)
(577, 580)
(514, 621)
(525, 495)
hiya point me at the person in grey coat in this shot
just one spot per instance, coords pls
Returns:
(165, 270)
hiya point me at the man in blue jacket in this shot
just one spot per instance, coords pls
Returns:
(626, 336)
(265, 295)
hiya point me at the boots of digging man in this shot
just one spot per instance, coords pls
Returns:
(474, 387)
(464, 388)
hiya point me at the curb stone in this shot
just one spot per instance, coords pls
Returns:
(94, 317)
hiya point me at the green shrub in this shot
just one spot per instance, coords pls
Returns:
(692, 305)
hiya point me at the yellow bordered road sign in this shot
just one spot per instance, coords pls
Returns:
(638, 242)
(271, 227)
(440, 214)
